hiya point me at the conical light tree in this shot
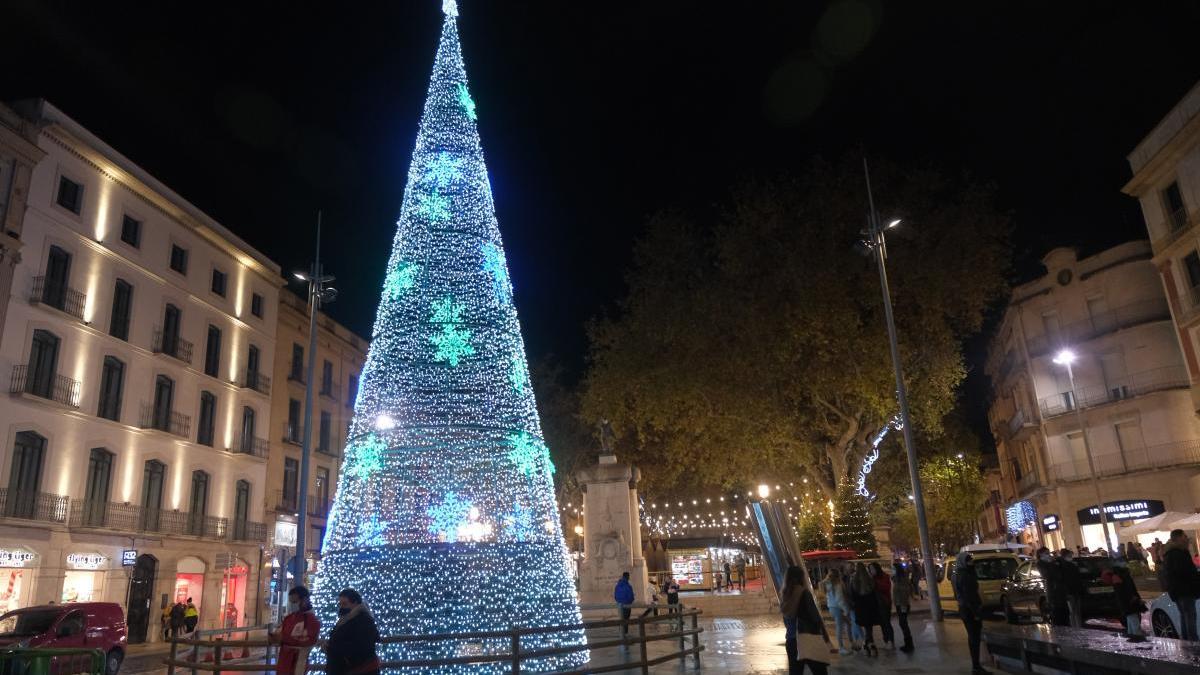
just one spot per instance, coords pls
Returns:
(852, 523)
(445, 518)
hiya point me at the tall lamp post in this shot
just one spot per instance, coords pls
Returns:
(319, 292)
(1066, 357)
(877, 243)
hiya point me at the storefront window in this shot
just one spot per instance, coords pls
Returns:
(16, 576)
(84, 577)
(233, 595)
(688, 567)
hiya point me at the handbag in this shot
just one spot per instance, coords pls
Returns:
(812, 647)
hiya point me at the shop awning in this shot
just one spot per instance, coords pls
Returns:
(1162, 522)
(1192, 522)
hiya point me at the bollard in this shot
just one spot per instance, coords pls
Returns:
(642, 641)
(174, 652)
(218, 653)
(696, 639)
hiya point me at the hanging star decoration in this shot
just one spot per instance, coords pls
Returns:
(528, 452)
(465, 100)
(447, 516)
(400, 278)
(443, 169)
(454, 342)
(518, 523)
(495, 264)
(450, 7)
(518, 373)
(372, 533)
(366, 456)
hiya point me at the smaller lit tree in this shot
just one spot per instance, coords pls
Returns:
(852, 523)
(812, 534)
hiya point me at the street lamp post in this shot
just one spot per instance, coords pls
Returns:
(318, 292)
(878, 245)
(1066, 357)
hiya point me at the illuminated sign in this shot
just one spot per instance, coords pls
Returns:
(1128, 509)
(129, 557)
(285, 533)
(1051, 523)
(16, 557)
(86, 561)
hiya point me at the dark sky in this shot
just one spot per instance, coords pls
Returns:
(594, 115)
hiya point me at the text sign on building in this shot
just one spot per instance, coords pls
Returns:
(86, 561)
(285, 533)
(129, 557)
(16, 557)
(1128, 509)
(1050, 523)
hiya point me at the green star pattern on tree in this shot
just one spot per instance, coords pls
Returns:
(528, 453)
(366, 456)
(465, 100)
(400, 278)
(434, 206)
(443, 169)
(518, 373)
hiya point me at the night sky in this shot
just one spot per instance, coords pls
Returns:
(593, 116)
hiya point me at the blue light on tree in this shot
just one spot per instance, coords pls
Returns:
(445, 518)
(1019, 516)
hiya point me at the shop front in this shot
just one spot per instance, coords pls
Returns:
(235, 577)
(1118, 513)
(691, 568)
(84, 576)
(1052, 532)
(17, 567)
(189, 582)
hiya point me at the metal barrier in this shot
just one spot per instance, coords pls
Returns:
(36, 661)
(515, 655)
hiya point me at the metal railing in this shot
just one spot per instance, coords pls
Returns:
(250, 445)
(257, 381)
(1028, 481)
(287, 502)
(176, 424)
(318, 508)
(172, 345)
(1158, 456)
(292, 432)
(1178, 219)
(33, 505)
(58, 295)
(499, 647)
(1136, 384)
(137, 518)
(50, 386)
(296, 375)
(328, 450)
(52, 661)
(245, 530)
(1018, 422)
(1124, 316)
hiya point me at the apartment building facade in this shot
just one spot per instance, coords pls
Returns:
(1131, 391)
(340, 357)
(133, 462)
(19, 153)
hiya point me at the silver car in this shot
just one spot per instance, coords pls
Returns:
(1164, 616)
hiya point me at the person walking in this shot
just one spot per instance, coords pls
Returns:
(1072, 582)
(1129, 601)
(902, 597)
(839, 608)
(350, 649)
(970, 607)
(883, 592)
(1182, 581)
(728, 576)
(178, 618)
(918, 573)
(297, 634)
(741, 573)
(806, 641)
(191, 617)
(1056, 592)
(865, 601)
(623, 595)
(1130, 552)
(651, 598)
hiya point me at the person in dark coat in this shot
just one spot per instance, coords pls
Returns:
(350, 649)
(800, 615)
(902, 597)
(883, 590)
(623, 596)
(1182, 581)
(1072, 582)
(1056, 592)
(865, 604)
(970, 607)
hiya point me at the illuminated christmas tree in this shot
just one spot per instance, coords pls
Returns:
(445, 518)
(852, 522)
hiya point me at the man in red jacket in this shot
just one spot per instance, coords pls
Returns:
(297, 635)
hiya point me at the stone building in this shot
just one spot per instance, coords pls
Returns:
(18, 155)
(134, 439)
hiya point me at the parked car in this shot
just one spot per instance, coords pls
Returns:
(992, 568)
(1024, 592)
(83, 625)
(1164, 616)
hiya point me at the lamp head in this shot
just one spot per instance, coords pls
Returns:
(1065, 357)
(894, 223)
(764, 491)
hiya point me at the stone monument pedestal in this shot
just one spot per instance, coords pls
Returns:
(612, 531)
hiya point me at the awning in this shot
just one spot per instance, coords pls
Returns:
(1162, 522)
(1192, 522)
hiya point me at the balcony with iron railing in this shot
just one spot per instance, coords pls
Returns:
(1160, 456)
(1136, 384)
(1018, 423)
(172, 345)
(291, 432)
(296, 375)
(328, 449)
(56, 294)
(287, 501)
(245, 530)
(142, 519)
(1125, 316)
(318, 507)
(33, 505)
(257, 381)
(1027, 482)
(250, 445)
(50, 386)
(176, 424)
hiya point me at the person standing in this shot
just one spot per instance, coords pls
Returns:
(741, 572)
(350, 649)
(801, 617)
(835, 599)
(970, 607)
(673, 607)
(1156, 552)
(1072, 582)
(1129, 602)
(728, 576)
(623, 595)
(865, 602)
(1056, 593)
(165, 620)
(1182, 581)
(883, 591)
(191, 617)
(178, 618)
(651, 598)
(918, 573)
(297, 634)
(902, 597)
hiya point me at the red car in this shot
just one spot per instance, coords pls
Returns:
(79, 625)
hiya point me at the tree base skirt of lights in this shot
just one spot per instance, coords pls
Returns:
(460, 587)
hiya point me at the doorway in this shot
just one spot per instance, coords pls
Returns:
(141, 591)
